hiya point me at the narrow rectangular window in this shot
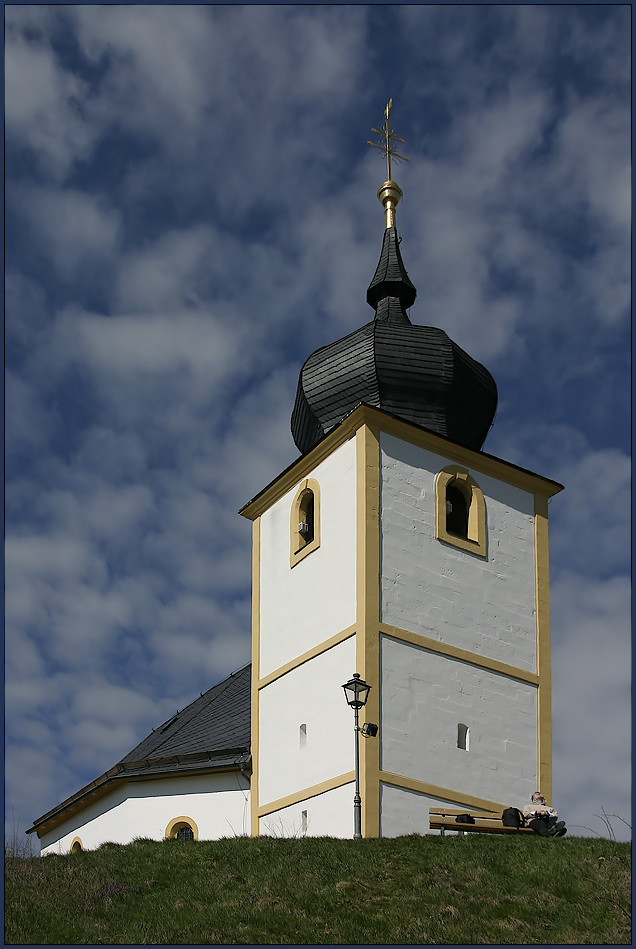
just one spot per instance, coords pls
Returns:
(302, 739)
(303, 823)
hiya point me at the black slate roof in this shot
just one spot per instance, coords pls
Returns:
(390, 278)
(218, 720)
(212, 733)
(414, 372)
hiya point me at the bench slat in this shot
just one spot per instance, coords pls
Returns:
(445, 812)
(489, 827)
(488, 822)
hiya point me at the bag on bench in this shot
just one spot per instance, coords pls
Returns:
(464, 819)
(512, 817)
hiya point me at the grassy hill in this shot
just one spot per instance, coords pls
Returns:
(422, 890)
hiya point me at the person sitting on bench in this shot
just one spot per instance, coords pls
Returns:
(543, 819)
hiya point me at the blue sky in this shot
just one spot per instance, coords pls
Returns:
(190, 211)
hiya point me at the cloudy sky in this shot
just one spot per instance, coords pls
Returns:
(190, 211)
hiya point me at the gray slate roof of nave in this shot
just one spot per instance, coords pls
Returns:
(218, 720)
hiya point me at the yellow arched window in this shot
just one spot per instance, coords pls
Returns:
(76, 845)
(460, 511)
(304, 521)
(182, 828)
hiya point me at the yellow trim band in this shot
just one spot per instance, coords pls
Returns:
(455, 652)
(544, 702)
(330, 785)
(256, 665)
(306, 656)
(446, 794)
(368, 614)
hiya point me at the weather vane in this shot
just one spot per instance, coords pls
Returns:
(389, 137)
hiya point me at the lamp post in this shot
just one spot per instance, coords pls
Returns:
(356, 693)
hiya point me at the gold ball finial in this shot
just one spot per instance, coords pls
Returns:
(389, 192)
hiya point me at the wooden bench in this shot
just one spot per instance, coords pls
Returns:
(485, 822)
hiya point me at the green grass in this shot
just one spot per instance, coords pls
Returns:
(272, 891)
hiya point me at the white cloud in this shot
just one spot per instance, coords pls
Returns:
(44, 103)
(498, 135)
(596, 167)
(199, 83)
(25, 796)
(163, 275)
(28, 421)
(591, 662)
(126, 345)
(152, 58)
(591, 517)
(114, 456)
(70, 228)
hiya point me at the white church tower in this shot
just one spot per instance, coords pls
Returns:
(397, 549)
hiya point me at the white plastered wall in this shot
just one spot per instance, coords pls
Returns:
(309, 695)
(429, 587)
(302, 607)
(326, 815)
(218, 804)
(407, 812)
(424, 698)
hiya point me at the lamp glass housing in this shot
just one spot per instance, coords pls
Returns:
(356, 691)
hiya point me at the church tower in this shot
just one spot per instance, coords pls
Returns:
(396, 548)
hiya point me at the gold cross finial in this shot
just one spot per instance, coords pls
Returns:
(389, 137)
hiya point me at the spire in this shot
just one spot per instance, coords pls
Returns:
(390, 278)
(390, 292)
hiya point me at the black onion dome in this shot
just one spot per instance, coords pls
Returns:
(414, 372)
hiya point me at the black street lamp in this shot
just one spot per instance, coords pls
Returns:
(356, 692)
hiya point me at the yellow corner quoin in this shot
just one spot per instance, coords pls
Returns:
(544, 664)
(475, 542)
(368, 614)
(177, 823)
(256, 665)
(305, 510)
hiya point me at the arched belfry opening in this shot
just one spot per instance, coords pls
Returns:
(306, 514)
(456, 511)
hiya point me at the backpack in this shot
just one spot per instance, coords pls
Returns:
(464, 819)
(512, 817)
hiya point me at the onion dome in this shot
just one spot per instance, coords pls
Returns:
(416, 373)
